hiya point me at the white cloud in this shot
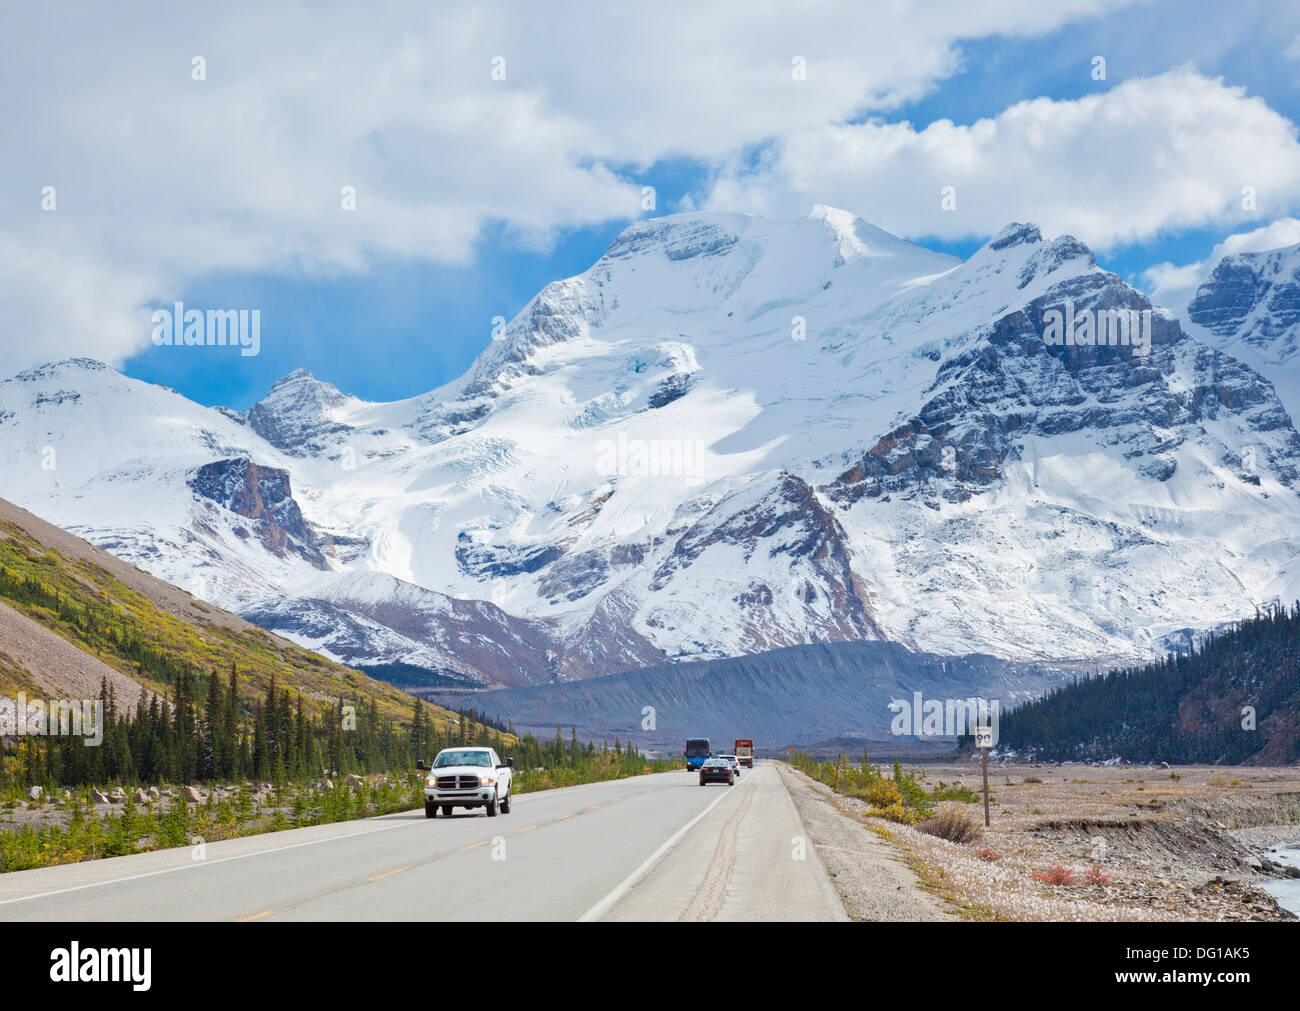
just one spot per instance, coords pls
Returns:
(1149, 155)
(1173, 286)
(161, 179)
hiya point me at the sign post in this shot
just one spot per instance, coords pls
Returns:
(984, 741)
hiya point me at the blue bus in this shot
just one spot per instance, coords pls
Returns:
(697, 750)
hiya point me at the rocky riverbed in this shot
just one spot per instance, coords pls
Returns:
(1110, 843)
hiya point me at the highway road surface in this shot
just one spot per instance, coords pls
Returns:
(648, 848)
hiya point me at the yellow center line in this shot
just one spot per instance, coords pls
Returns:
(593, 807)
(528, 829)
(389, 874)
(474, 846)
(563, 816)
(257, 916)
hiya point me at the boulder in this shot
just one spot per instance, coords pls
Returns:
(118, 795)
(36, 793)
(98, 798)
(192, 795)
(141, 797)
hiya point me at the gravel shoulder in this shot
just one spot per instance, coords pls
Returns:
(870, 874)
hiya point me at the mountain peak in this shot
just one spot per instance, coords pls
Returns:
(855, 236)
(1017, 233)
(1254, 298)
(62, 366)
(679, 236)
(297, 412)
(1266, 261)
(293, 378)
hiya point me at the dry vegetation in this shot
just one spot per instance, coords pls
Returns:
(1102, 843)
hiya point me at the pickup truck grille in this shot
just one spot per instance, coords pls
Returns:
(457, 782)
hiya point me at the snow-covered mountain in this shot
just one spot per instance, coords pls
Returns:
(729, 435)
(1250, 307)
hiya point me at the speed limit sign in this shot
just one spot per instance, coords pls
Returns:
(983, 737)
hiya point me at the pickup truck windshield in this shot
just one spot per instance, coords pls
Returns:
(461, 758)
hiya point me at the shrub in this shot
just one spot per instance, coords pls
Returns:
(1096, 877)
(957, 792)
(989, 855)
(897, 812)
(1057, 874)
(952, 823)
(877, 793)
(901, 799)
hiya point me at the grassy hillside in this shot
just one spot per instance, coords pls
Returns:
(190, 692)
(88, 606)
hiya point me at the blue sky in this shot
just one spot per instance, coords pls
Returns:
(404, 328)
(383, 317)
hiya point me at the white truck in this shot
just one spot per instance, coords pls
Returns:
(467, 777)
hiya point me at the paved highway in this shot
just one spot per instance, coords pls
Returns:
(649, 848)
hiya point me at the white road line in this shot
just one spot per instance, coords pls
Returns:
(612, 899)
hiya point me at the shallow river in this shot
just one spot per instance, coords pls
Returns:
(1287, 890)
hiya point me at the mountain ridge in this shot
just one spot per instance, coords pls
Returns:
(864, 440)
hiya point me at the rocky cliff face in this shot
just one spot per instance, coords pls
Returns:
(1255, 296)
(1249, 306)
(263, 496)
(995, 400)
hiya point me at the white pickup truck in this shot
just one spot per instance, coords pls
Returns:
(467, 777)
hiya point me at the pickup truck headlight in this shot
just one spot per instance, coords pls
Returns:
(486, 780)
(430, 782)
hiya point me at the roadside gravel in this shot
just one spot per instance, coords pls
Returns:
(866, 870)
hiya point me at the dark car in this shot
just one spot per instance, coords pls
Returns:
(717, 770)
